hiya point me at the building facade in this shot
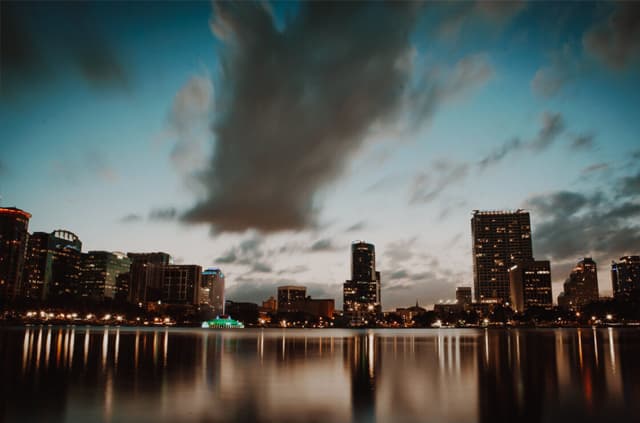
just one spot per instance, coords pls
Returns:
(289, 296)
(463, 295)
(500, 240)
(625, 276)
(212, 290)
(145, 277)
(361, 293)
(581, 287)
(99, 274)
(14, 235)
(181, 284)
(530, 283)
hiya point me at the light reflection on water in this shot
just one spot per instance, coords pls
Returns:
(79, 374)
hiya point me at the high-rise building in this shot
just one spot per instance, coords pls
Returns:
(52, 267)
(500, 240)
(288, 296)
(625, 276)
(181, 284)
(145, 278)
(99, 273)
(212, 290)
(361, 293)
(14, 226)
(463, 295)
(581, 287)
(530, 283)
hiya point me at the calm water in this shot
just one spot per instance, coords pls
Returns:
(83, 374)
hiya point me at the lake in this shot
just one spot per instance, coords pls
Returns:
(93, 374)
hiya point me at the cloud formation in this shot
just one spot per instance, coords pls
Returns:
(189, 124)
(552, 125)
(575, 224)
(295, 103)
(429, 184)
(35, 41)
(616, 42)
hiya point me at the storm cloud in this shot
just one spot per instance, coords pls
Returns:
(294, 104)
(36, 40)
(616, 42)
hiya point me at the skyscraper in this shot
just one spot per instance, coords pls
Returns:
(52, 264)
(145, 278)
(99, 273)
(625, 276)
(212, 290)
(530, 283)
(581, 287)
(500, 240)
(14, 225)
(361, 293)
(181, 284)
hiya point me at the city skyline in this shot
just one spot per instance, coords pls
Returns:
(530, 105)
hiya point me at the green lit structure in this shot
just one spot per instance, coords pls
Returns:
(222, 323)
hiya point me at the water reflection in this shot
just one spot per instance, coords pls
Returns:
(131, 374)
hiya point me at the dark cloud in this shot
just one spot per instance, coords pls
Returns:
(358, 226)
(562, 203)
(131, 218)
(629, 186)
(595, 168)
(453, 17)
(301, 268)
(428, 185)
(575, 224)
(322, 245)
(226, 258)
(552, 125)
(293, 104)
(261, 268)
(616, 42)
(398, 274)
(249, 252)
(36, 38)
(169, 213)
(583, 142)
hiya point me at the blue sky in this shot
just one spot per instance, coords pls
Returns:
(124, 129)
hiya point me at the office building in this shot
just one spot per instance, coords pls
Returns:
(145, 279)
(625, 276)
(530, 283)
(581, 287)
(463, 295)
(361, 293)
(65, 249)
(500, 240)
(212, 290)
(288, 296)
(181, 284)
(14, 226)
(99, 273)
(270, 305)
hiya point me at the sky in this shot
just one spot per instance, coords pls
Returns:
(263, 138)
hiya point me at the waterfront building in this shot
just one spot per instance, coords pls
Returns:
(270, 305)
(99, 273)
(625, 276)
(181, 284)
(581, 287)
(145, 279)
(361, 293)
(288, 296)
(500, 240)
(463, 295)
(14, 235)
(212, 290)
(530, 283)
